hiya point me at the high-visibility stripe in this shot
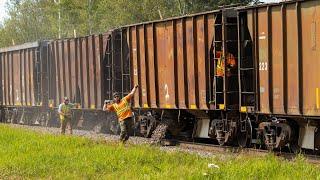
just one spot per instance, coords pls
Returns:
(121, 110)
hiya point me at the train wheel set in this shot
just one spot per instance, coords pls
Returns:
(240, 76)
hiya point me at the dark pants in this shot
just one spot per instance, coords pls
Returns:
(65, 121)
(125, 127)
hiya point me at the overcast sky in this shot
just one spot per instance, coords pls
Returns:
(3, 11)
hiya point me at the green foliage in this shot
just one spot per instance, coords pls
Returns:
(25, 154)
(32, 20)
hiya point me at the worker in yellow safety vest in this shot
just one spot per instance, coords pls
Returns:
(231, 64)
(123, 110)
(65, 115)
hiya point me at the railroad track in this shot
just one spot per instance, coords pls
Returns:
(315, 159)
(187, 145)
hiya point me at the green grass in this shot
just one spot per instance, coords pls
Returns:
(26, 154)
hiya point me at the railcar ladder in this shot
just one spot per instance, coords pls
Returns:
(108, 73)
(246, 68)
(125, 66)
(225, 46)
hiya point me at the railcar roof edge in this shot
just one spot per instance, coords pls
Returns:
(85, 36)
(172, 18)
(21, 46)
(270, 4)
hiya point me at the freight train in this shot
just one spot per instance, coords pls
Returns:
(237, 75)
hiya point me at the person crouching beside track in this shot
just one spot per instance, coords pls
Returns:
(65, 115)
(123, 109)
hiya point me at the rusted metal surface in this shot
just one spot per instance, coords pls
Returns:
(88, 69)
(32, 75)
(286, 37)
(16, 86)
(78, 71)
(293, 106)
(20, 78)
(310, 38)
(170, 61)
(2, 81)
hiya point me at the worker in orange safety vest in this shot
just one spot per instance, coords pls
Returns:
(231, 64)
(123, 110)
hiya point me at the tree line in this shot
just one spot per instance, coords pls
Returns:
(32, 20)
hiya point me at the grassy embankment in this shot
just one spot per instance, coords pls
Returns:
(25, 154)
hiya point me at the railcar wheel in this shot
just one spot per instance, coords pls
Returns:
(1, 114)
(146, 125)
(295, 148)
(150, 129)
(244, 138)
(221, 142)
(160, 131)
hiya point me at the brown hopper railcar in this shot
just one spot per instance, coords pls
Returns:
(88, 70)
(237, 75)
(284, 61)
(37, 76)
(272, 98)
(23, 80)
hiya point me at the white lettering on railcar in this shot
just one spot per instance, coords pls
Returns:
(262, 37)
(166, 89)
(263, 66)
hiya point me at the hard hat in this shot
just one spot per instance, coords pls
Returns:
(116, 94)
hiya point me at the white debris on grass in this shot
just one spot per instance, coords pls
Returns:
(213, 166)
(205, 174)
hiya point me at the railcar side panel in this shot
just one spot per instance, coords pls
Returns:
(293, 106)
(142, 63)
(277, 57)
(78, 70)
(2, 92)
(16, 86)
(21, 77)
(150, 44)
(264, 59)
(73, 70)
(287, 44)
(32, 75)
(310, 38)
(170, 61)
(181, 68)
(67, 71)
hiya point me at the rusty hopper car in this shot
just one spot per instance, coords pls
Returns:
(237, 75)
(23, 80)
(270, 97)
(87, 70)
(36, 76)
(174, 62)
(285, 52)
